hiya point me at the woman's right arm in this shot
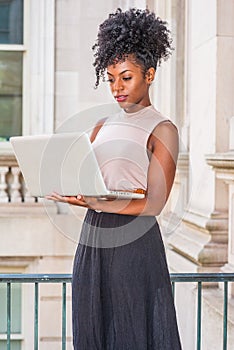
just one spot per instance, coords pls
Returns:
(96, 129)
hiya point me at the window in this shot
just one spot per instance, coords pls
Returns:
(10, 93)
(11, 67)
(11, 21)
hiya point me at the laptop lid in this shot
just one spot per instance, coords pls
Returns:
(64, 163)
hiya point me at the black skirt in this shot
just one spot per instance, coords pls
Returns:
(121, 290)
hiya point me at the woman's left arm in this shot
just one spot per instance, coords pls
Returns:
(163, 148)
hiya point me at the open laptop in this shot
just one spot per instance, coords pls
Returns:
(64, 163)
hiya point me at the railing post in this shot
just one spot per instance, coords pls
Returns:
(173, 289)
(15, 186)
(225, 311)
(64, 319)
(36, 317)
(8, 315)
(3, 184)
(199, 285)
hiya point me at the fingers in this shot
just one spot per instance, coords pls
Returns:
(56, 197)
(79, 200)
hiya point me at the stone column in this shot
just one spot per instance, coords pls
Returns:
(200, 242)
(38, 106)
(223, 166)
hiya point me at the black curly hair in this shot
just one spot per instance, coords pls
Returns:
(135, 31)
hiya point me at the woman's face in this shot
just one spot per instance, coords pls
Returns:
(129, 86)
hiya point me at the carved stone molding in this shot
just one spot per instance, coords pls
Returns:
(221, 161)
(8, 159)
(202, 240)
(223, 165)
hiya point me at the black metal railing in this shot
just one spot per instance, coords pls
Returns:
(36, 279)
(200, 278)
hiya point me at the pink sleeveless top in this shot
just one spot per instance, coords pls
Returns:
(121, 148)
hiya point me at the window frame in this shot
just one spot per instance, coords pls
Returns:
(38, 69)
(5, 145)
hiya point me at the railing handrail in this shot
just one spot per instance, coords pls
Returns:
(175, 277)
(202, 277)
(32, 278)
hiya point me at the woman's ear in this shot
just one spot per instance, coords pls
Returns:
(150, 74)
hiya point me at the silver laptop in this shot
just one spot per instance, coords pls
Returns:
(63, 163)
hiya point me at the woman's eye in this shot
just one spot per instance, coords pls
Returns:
(127, 78)
(110, 80)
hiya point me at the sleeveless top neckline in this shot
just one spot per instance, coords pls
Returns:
(137, 114)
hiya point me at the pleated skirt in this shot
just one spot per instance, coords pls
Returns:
(121, 290)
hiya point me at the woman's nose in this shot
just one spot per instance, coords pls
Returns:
(118, 85)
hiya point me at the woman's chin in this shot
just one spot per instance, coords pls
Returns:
(127, 106)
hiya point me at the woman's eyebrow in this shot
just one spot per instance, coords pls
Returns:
(126, 70)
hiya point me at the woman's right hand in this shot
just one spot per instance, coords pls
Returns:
(74, 200)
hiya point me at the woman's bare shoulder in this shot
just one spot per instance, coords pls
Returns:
(97, 128)
(165, 127)
(165, 137)
(166, 132)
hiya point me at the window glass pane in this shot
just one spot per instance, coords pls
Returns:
(15, 308)
(10, 94)
(15, 345)
(11, 21)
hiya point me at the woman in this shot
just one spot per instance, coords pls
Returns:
(121, 291)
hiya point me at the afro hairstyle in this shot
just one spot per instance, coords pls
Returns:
(133, 32)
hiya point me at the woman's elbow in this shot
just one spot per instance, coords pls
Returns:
(154, 208)
(154, 212)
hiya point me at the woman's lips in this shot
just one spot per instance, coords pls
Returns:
(121, 98)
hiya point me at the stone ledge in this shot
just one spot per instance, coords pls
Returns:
(221, 160)
(202, 240)
(25, 209)
(7, 158)
(199, 251)
(16, 261)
